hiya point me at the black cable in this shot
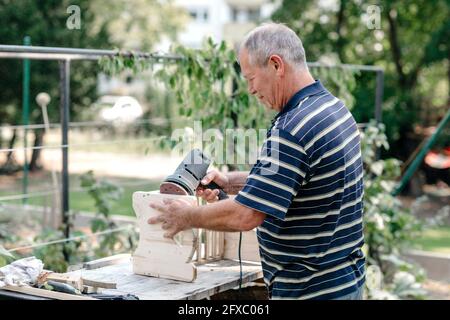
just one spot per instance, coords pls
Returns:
(240, 263)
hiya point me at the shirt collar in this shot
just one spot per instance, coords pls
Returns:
(309, 90)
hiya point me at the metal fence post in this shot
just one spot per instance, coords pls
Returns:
(64, 73)
(25, 117)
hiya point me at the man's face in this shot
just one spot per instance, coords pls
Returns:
(262, 81)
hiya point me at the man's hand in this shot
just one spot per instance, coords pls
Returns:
(208, 194)
(175, 216)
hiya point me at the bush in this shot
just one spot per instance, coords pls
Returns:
(389, 226)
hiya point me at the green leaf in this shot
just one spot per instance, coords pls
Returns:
(5, 252)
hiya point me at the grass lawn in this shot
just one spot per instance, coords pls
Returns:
(82, 201)
(78, 199)
(436, 240)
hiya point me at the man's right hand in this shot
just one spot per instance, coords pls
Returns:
(208, 194)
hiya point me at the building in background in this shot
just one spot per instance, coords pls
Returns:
(227, 20)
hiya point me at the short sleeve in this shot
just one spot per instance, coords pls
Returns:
(277, 175)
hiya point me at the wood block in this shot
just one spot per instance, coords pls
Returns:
(46, 293)
(158, 256)
(249, 246)
(107, 261)
(99, 284)
(74, 281)
(89, 289)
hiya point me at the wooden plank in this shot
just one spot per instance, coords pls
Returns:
(199, 246)
(46, 293)
(158, 256)
(206, 244)
(99, 284)
(249, 246)
(213, 244)
(75, 281)
(212, 277)
(107, 261)
(72, 280)
(221, 244)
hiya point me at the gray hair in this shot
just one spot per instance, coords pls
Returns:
(274, 38)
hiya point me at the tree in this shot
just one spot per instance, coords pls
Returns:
(412, 39)
(139, 24)
(102, 27)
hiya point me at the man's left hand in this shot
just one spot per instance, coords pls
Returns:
(175, 216)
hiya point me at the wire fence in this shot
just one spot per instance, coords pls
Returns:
(57, 191)
(53, 192)
(93, 143)
(72, 53)
(97, 234)
(153, 121)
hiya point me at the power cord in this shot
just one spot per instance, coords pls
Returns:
(240, 263)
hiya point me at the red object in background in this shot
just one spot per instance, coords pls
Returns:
(438, 159)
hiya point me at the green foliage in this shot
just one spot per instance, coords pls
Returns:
(5, 256)
(104, 194)
(52, 255)
(57, 254)
(45, 22)
(339, 81)
(389, 227)
(133, 24)
(411, 44)
(208, 86)
(139, 24)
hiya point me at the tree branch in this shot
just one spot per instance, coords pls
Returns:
(395, 47)
(340, 21)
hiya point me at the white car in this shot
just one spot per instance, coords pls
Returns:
(124, 109)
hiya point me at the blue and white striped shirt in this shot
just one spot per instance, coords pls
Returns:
(308, 181)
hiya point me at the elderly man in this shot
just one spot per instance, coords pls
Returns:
(304, 194)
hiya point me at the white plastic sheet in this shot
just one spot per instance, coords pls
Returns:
(21, 272)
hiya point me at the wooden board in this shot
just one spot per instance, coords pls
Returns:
(107, 261)
(76, 282)
(212, 278)
(158, 256)
(249, 246)
(46, 293)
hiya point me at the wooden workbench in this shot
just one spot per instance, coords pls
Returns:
(212, 278)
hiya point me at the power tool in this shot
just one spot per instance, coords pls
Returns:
(186, 178)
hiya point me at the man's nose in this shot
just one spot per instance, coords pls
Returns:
(251, 90)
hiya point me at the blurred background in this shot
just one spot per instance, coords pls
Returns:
(121, 122)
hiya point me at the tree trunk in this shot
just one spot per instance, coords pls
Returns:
(10, 165)
(36, 155)
(341, 40)
(448, 79)
(9, 157)
(395, 46)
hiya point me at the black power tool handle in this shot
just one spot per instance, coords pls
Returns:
(212, 185)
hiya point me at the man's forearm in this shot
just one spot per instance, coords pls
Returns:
(225, 215)
(236, 181)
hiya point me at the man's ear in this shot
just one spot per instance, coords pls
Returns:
(276, 63)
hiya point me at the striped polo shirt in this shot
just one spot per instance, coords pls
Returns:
(308, 180)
